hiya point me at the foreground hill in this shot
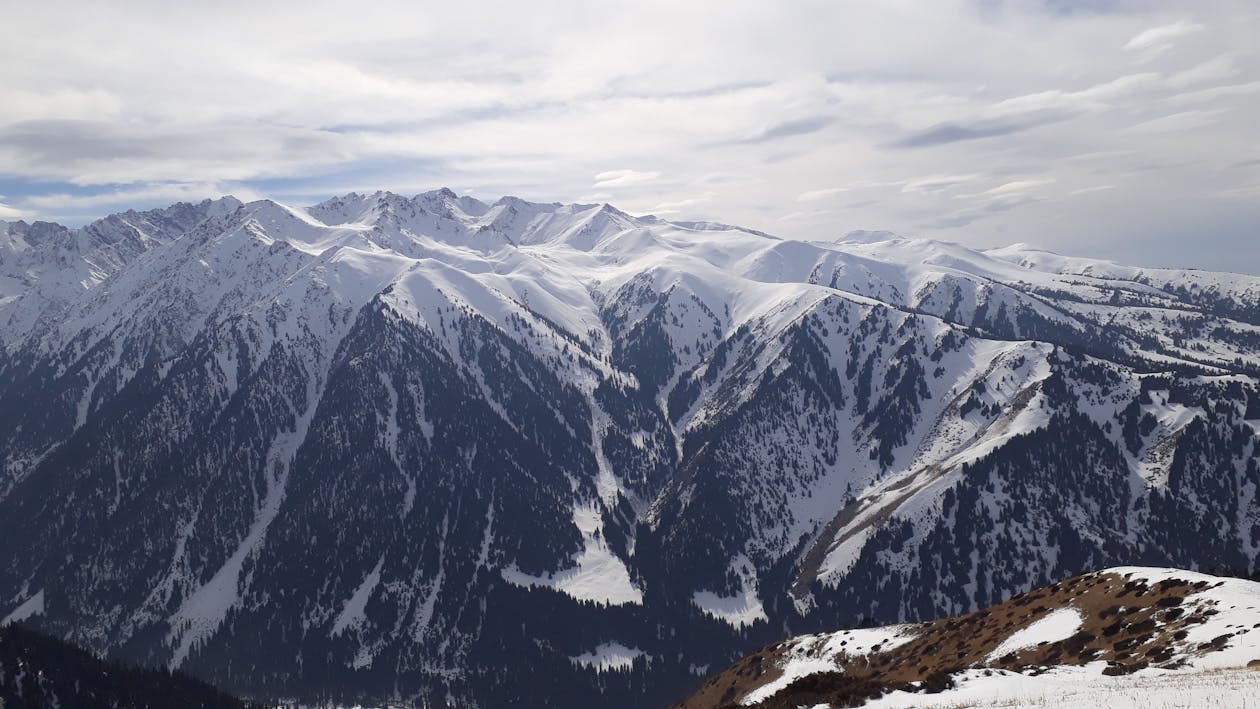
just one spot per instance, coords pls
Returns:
(427, 447)
(38, 671)
(1167, 627)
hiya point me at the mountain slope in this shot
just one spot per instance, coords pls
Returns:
(1085, 629)
(40, 671)
(374, 448)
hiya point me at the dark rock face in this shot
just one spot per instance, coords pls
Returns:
(414, 458)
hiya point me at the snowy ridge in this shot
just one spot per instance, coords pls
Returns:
(1160, 629)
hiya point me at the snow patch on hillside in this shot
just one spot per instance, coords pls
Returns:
(353, 614)
(1059, 625)
(1236, 613)
(1086, 688)
(29, 608)
(608, 657)
(814, 654)
(598, 575)
(743, 608)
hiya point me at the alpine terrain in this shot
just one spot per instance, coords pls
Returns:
(1123, 637)
(439, 451)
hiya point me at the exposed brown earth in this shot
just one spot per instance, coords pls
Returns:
(1129, 623)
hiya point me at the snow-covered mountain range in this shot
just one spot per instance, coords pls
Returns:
(435, 448)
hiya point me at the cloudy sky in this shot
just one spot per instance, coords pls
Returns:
(1114, 128)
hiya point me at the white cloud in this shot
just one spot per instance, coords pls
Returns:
(938, 183)
(625, 178)
(1162, 36)
(1181, 121)
(806, 214)
(1018, 186)
(1091, 190)
(1061, 103)
(675, 206)
(1216, 93)
(813, 195)
(1215, 69)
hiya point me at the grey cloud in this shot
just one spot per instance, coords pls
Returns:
(628, 88)
(67, 140)
(1089, 7)
(952, 132)
(102, 152)
(786, 129)
(59, 140)
(964, 217)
